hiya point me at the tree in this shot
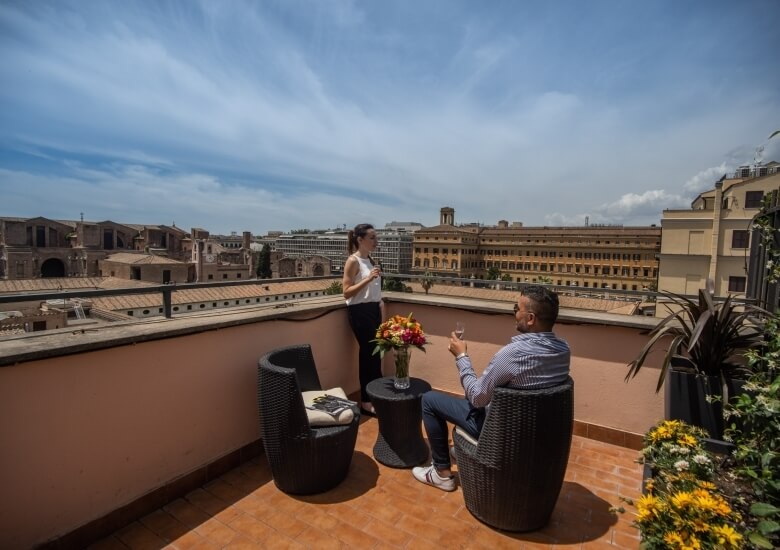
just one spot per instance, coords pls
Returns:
(544, 279)
(264, 262)
(493, 273)
(427, 282)
(334, 289)
(507, 277)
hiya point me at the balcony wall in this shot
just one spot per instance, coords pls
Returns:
(131, 408)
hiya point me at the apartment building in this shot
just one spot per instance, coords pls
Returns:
(394, 251)
(711, 240)
(611, 257)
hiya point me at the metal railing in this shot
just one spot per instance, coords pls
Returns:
(166, 290)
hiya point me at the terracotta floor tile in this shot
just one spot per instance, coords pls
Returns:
(286, 523)
(186, 512)
(380, 507)
(251, 527)
(138, 537)
(243, 543)
(314, 538)
(216, 531)
(109, 543)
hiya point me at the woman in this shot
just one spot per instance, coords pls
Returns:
(362, 284)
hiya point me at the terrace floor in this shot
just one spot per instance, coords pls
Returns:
(381, 507)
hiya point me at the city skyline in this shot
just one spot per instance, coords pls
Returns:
(268, 116)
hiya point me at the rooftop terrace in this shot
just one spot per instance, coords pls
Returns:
(147, 433)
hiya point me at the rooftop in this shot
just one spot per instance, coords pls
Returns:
(147, 433)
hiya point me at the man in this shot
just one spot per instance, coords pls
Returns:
(535, 358)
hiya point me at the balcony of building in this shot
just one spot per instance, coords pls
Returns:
(146, 434)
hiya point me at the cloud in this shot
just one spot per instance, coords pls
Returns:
(225, 112)
(706, 179)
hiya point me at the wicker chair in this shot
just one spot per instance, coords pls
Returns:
(304, 460)
(512, 475)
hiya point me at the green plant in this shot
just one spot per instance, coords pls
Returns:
(707, 333)
(674, 450)
(756, 434)
(682, 508)
(334, 288)
(493, 273)
(393, 284)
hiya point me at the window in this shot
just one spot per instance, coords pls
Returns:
(736, 284)
(753, 199)
(739, 238)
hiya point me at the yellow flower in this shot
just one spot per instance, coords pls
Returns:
(727, 535)
(709, 503)
(674, 540)
(682, 499)
(687, 440)
(647, 507)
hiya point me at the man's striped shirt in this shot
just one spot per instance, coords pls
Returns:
(530, 360)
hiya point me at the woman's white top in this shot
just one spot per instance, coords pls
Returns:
(372, 292)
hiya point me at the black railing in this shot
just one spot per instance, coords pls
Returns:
(167, 290)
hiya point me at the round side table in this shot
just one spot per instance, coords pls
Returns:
(400, 443)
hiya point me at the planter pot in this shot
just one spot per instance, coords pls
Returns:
(685, 399)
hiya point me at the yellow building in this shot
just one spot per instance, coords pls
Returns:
(712, 239)
(612, 257)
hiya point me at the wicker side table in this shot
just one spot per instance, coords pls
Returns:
(400, 443)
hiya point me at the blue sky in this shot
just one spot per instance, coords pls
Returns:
(278, 115)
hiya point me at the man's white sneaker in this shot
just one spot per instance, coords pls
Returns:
(429, 476)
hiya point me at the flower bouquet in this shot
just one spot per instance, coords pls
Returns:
(399, 333)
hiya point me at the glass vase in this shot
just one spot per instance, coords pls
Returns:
(402, 356)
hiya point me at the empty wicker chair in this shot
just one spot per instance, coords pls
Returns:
(303, 459)
(512, 475)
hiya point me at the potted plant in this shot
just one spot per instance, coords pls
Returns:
(706, 338)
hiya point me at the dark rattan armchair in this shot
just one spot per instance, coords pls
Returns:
(512, 476)
(303, 459)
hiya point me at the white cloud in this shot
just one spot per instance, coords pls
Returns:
(706, 179)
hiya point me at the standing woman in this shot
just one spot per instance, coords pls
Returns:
(362, 284)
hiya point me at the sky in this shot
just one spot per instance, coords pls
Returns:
(287, 114)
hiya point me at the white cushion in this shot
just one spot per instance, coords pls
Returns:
(467, 436)
(321, 418)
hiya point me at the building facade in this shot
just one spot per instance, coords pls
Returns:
(712, 239)
(394, 251)
(39, 247)
(608, 257)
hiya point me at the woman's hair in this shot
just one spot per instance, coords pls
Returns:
(361, 230)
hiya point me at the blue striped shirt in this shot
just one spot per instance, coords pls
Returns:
(529, 360)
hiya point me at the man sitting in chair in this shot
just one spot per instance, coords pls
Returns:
(535, 358)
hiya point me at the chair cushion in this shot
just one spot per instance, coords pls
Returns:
(321, 418)
(467, 436)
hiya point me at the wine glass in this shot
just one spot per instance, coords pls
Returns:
(460, 328)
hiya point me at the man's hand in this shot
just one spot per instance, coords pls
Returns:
(457, 346)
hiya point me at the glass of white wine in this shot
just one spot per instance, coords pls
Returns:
(460, 328)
